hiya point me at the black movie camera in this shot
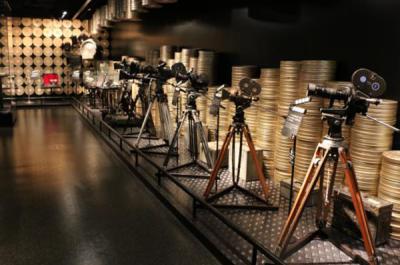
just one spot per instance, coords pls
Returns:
(367, 84)
(248, 92)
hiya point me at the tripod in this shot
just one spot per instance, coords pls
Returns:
(332, 148)
(129, 106)
(195, 128)
(238, 127)
(165, 117)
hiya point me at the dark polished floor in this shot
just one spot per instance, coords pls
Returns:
(65, 198)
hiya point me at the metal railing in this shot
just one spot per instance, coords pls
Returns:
(126, 146)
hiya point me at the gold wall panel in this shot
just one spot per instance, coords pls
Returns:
(27, 41)
(37, 51)
(57, 23)
(37, 32)
(27, 51)
(67, 23)
(27, 31)
(37, 22)
(17, 41)
(35, 44)
(28, 61)
(48, 51)
(17, 51)
(26, 21)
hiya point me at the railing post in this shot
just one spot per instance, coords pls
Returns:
(101, 127)
(120, 144)
(254, 256)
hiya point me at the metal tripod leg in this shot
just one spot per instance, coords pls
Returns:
(192, 137)
(166, 123)
(175, 138)
(219, 161)
(233, 159)
(146, 118)
(326, 201)
(308, 185)
(358, 205)
(203, 139)
(253, 153)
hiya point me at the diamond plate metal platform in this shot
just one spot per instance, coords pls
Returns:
(264, 226)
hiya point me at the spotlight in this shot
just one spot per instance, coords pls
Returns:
(64, 14)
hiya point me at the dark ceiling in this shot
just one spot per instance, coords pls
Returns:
(54, 8)
(51, 8)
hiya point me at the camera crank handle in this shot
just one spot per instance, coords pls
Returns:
(374, 101)
(383, 123)
(220, 87)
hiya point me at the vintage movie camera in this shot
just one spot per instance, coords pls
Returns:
(198, 84)
(355, 99)
(248, 92)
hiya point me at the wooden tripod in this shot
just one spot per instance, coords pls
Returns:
(242, 129)
(332, 147)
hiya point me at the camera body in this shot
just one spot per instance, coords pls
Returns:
(198, 83)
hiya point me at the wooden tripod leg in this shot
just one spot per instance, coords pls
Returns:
(308, 185)
(320, 201)
(351, 182)
(218, 163)
(259, 169)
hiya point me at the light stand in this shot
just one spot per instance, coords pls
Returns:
(290, 129)
(292, 156)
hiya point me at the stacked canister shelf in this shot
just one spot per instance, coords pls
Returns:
(389, 187)
(369, 140)
(266, 116)
(311, 128)
(288, 93)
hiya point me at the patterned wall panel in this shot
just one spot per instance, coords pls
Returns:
(103, 39)
(6, 52)
(36, 44)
